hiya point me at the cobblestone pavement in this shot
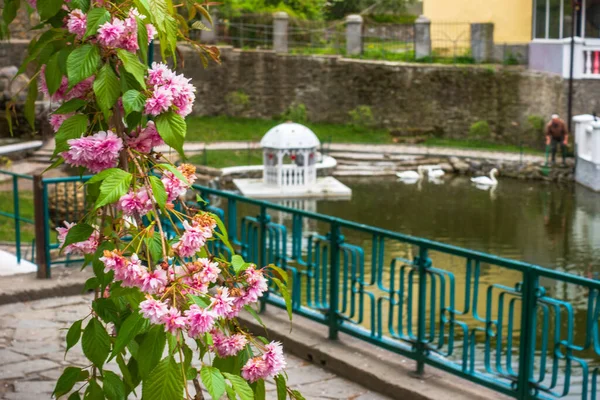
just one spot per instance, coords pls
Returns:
(32, 354)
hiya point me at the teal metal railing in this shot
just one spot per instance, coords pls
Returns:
(516, 328)
(13, 211)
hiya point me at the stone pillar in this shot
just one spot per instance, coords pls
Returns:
(210, 37)
(354, 35)
(280, 32)
(422, 37)
(482, 42)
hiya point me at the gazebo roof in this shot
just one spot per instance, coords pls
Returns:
(290, 135)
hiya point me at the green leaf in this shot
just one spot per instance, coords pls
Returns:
(74, 396)
(67, 380)
(230, 392)
(114, 388)
(112, 188)
(174, 171)
(142, 34)
(282, 274)
(32, 95)
(107, 89)
(172, 128)
(111, 172)
(70, 106)
(133, 65)
(78, 233)
(237, 262)
(72, 128)
(10, 10)
(95, 342)
(223, 232)
(286, 296)
(213, 381)
(259, 390)
(241, 386)
(191, 373)
(297, 395)
(133, 325)
(151, 350)
(155, 246)
(83, 5)
(95, 18)
(82, 63)
(48, 8)
(165, 382)
(199, 301)
(159, 192)
(93, 391)
(52, 74)
(133, 101)
(73, 335)
(63, 56)
(252, 312)
(281, 387)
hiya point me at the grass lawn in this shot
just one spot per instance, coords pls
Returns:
(228, 158)
(7, 225)
(212, 129)
(223, 128)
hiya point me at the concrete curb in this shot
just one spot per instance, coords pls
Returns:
(370, 366)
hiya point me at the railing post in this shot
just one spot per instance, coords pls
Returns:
(354, 35)
(17, 217)
(41, 239)
(422, 37)
(280, 32)
(527, 336)
(335, 239)
(423, 262)
(262, 256)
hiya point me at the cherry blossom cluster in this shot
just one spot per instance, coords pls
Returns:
(96, 153)
(176, 187)
(266, 366)
(122, 34)
(195, 235)
(144, 139)
(88, 246)
(169, 90)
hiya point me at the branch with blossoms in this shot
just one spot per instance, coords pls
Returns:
(165, 309)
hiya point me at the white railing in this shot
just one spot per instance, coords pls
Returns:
(591, 62)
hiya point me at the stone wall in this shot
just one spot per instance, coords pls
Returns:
(410, 99)
(404, 97)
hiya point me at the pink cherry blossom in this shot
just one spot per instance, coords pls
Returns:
(257, 285)
(135, 203)
(173, 321)
(32, 3)
(159, 74)
(209, 271)
(96, 153)
(109, 33)
(191, 240)
(153, 310)
(77, 23)
(199, 320)
(154, 281)
(160, 101)
(63, 93)
(151, 31)
(222, 303)
(255, 369)
(87, 246)
(274, 358)
(113, 261)
(227, 346)
(133, 274)
(56, 120)
(145, 139)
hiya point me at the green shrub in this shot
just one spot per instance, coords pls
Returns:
(362, 117)
(237, 102)
(296, 112)
(535, 128)
(480, 130)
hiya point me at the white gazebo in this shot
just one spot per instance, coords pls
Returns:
(289, 155)
(290, 161)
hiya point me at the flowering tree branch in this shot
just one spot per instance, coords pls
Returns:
(165, 309)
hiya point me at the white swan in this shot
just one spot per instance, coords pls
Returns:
(435, 173)
(411, 175)
(487, 181)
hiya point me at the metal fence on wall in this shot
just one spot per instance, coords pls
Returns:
(451, 39)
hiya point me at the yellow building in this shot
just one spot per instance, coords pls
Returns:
(512, 19)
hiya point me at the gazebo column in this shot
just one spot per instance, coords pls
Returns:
(306, 164)
(279, 168)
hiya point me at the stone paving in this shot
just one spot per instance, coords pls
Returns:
(32, 354)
